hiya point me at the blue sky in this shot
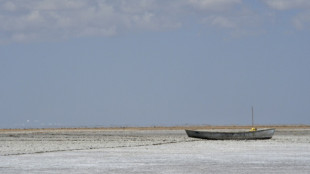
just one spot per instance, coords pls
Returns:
(70, 63)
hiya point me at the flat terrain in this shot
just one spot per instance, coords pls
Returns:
(151, 150)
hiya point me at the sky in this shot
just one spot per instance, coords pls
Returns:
(87, 63)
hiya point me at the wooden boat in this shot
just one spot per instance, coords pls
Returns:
(253, 134)
(237, 135)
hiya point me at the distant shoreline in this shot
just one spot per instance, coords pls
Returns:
(163, 128)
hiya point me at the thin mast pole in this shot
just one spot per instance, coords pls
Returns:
(252, 117)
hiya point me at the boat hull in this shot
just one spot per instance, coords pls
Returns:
(247, 135)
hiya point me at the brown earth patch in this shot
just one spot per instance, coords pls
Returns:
(162, 128)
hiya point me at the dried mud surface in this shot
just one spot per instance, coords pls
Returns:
(17, 142)
(28, 142)
(150, 151)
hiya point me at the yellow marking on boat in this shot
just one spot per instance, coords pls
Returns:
(253, 129)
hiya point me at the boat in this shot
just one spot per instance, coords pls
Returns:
(237, 135)
(252, 134)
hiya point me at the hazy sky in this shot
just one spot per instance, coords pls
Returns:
(153, 62)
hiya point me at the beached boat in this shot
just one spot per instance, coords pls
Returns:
(237, 135)
(253, 134)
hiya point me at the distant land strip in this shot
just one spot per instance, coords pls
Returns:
(163, 128)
